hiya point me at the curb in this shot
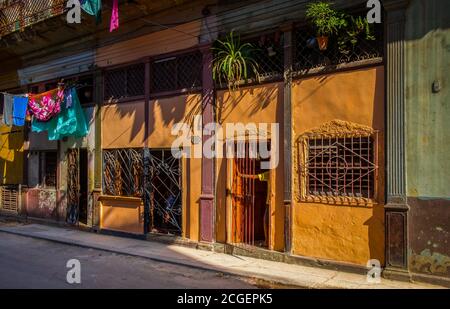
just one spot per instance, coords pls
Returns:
(263, 280)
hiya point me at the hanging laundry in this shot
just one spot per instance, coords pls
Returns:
(20, 104)
(8, 109)
(68, 97)
(114, 24)
(94, 8)
(46, 105)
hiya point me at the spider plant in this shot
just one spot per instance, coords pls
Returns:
(233, 61)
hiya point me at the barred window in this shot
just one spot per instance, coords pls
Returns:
(47, 168)
(182, 72)
(341, 167)
(125, 82)
(123, 172)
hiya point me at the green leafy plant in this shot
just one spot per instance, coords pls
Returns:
(325, 19)
(358, 29)
(233, 61)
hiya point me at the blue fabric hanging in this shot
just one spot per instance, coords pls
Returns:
(8, 109)
(93, 7)
(20, 104)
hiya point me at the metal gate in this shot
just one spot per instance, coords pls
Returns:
(73, 185)
(164, 191)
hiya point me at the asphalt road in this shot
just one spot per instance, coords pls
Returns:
(33, 263)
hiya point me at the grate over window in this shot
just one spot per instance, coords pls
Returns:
(125, 82)
(341, 167)
(9, 198)
(307, 54)
(182, 72)
(123, 172)
(48, 168)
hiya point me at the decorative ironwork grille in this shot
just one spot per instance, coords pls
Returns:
(123, 172)
(182, 72)
(125, 82)
(18, 14)
(307, 54)
(341, 167)
(73, 185)
(165, 192)
(9, 198)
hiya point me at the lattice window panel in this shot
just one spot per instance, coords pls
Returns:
(307, 54)
(125, 82)
(341, 167)
(182, 72)
(9, 198)
(16, 15)
(123, 172)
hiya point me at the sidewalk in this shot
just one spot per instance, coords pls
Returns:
(274, 272)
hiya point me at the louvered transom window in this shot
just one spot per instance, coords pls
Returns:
(182, 72)
(127, 82)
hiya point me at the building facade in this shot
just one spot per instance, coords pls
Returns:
(360, 137)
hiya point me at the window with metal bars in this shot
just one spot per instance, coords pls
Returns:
(341, 167)
(183, 72)
(127, 82)
(48, 168)
(307, 54)
(123, 172)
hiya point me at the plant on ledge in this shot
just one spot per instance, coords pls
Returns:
(358, 29)
(325, 20)
(233, 61)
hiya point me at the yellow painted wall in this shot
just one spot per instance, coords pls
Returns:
(258, 104)
(124, 214)
(11, 154)
(123, 126)
(338, 232)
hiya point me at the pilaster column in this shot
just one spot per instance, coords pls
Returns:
(98, 99)
(207, 193)
(396, 209)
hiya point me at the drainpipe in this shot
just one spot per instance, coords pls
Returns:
(396, 209)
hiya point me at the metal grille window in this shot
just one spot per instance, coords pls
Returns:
(341, 167)
(307, 54)
(182, 72)
(125, 82)
(123, 172)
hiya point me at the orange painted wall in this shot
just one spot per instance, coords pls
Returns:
(342, 233)
(122, 214)
(152, 44)
(123, 126)
(258, 104)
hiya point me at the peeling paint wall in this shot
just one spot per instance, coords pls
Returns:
(342, 233)
(427, 135)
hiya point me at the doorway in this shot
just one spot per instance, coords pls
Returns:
(77, 186)
(250, 201)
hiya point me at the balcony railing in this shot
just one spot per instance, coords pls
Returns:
(16, 15)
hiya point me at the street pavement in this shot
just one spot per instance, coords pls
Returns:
(33, 263)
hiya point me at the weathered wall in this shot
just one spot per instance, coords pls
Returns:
(343, 233)
(11, 154)
(427, 135)
(123, 126)
(255, 104)
(152, 44)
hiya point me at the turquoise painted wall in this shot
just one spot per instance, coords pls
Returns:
(428, 113)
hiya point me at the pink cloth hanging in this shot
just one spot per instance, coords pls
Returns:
(114, 16)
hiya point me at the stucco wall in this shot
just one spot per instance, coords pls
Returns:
(427, 135)
(255, 104)
(343, 233)
(122, 214)
(11, 154)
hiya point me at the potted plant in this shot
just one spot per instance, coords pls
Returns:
(233, 61)
(358, 29)
(325, 20)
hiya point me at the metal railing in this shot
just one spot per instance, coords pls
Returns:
(16, 15)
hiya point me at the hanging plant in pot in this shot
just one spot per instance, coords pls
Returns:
(325, 20)
(233, 61)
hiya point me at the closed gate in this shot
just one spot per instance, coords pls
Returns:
(76, 186)
(249, 191)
